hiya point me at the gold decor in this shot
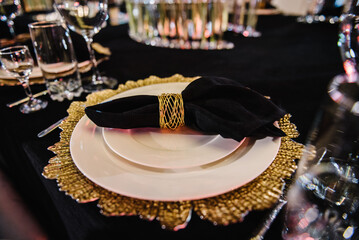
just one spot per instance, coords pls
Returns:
(171, 110)
(224, 209)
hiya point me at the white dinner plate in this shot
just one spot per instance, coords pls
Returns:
(100, 164)
(162, 148)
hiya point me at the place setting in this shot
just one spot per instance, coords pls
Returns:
(160, 148)
(112, 145)
(188, 128)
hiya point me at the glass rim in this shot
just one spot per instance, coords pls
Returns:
(13, 49)
(45, 24)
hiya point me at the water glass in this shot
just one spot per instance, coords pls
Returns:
(56, 59)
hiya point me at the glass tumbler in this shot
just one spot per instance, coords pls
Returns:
(56, 59)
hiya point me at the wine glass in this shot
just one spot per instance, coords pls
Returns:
(18, 62)
(9, 9)
(86, 17)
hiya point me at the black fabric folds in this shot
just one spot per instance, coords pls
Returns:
(213, 105)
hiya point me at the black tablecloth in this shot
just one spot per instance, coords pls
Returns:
(291, 62)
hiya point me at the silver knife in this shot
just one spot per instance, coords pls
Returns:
(50, 128)
(13, 104)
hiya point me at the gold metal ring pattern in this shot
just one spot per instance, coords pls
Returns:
(171, 110)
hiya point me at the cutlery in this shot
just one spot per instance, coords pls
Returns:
(272, 215)
(259, 235)
(50, 128)
(13, 104)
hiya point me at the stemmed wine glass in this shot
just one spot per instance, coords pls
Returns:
(18, 62)
(86, 17)
(9, 9)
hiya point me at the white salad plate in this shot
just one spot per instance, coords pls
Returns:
(160, 148)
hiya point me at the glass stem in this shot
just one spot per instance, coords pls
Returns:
(25, 84)
(95, 73)
(10, 24)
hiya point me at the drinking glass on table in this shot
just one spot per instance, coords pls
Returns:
(87, 17)
(324, 200)
(19, 63)
(9, 9)
(323, 204)
(56, 58)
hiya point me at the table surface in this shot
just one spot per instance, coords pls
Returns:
(292, 62)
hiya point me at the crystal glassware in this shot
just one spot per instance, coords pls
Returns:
(18, 62)
(9, 9)
(323, 201)
(56, 58)
(87, 17)
(182, 24)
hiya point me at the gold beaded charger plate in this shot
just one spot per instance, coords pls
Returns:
(230, 207)
(204, 170)
(156, 147)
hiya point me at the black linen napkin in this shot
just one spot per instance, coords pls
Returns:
(212, 105)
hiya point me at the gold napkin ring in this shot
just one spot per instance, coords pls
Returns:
(171, 110)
